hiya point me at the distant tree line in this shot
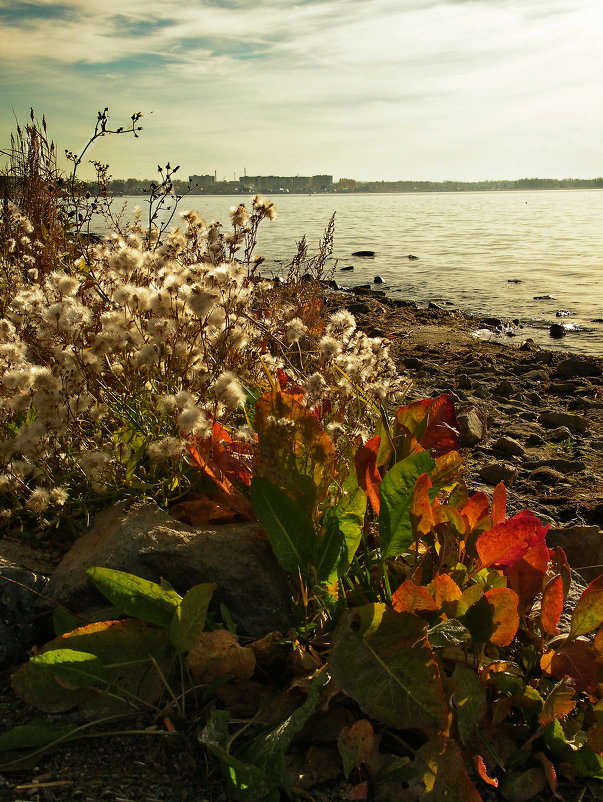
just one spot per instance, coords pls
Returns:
(136, 186)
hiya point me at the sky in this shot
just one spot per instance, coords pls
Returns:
(367, 89)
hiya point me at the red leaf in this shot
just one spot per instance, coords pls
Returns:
(559, 703)
(575, 659)
(499, 504)
(549, 773)
(551, 605)
(432, 422)
(526, 576)
(410, 598)
(504, 617)
(506, 543)
(367, 474)
(560, 564)
(481, 770)
(475, 509)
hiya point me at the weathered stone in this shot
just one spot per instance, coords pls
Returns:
(534, 439)
(573, 367)
(583, 546)
(559, 434)
(21, 608)
(554, 418)
(548, 477)
(496, 472)
(473, 426)
(504, 389)
(564, 466)
(144, 540)
(510, 446)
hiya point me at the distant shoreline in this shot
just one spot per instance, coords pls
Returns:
(276, 193)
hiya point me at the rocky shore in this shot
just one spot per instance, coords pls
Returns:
(529, 416)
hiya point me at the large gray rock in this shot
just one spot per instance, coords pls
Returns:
(144, 540)
(473, 426)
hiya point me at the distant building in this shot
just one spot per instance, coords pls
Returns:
(285, 183)
(202, 181)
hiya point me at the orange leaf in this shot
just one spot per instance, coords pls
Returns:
(499, 504)
(201, 511)
(410, 598)
(475, 509)
(549, 773)
(526, 576)
(421, 514)
(588, 613)
(559, 703)
(445, 589)
(561, 566)
(367, 474)
(551, 605)
(481, 770)
(508, 542)
(504, 617)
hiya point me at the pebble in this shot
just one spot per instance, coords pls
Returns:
(557, 330)
(496, 472)
(473, 426)
(378, 280)
(510, 446)
(504, 389)
(363, 253)
(559, 434)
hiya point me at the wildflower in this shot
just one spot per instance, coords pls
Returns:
(38, 500)
(341, 324)
(329, 347)
(58, 496)
(67, 285)
(146, 356)
(168, 448)
(193, 420)
(315, 386)
(201, 303)
(228, 390)
(239, 215)
(295, 330)
(93, 463)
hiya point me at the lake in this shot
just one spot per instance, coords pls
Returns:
(500, 254)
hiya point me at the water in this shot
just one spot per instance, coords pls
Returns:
(489, 253)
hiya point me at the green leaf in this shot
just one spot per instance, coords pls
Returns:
(78, 669)
(469, 700)
(382, 660)
(289, 530)
(123, 648)
(395, 529)
(588, 613)
(35, 734)
(244, 781)
(448, 633)
(64, 621)
(441, 773)
(188, 621)
(587, 762)
(136, 596)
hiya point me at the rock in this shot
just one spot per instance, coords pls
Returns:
(514, 281)
(577, 368)
(529, 345)
(412, 257)
(562, 313)
(399, 302)
(364, 253)
(463, 382)
(142, 539)
(535, 439)
(473, 426)
(510, 446)
(548, 477)
(432, 305)
(554, 419)
(378, 280)
(564, 466)
(559, 434)
(359, 308)
(496, 322)
(504, 389)
(543, 298)
(566, 388)
(583, 546)
(21, 609)
(344, 269)
(527, 415)
(557, 330)
(496, 472)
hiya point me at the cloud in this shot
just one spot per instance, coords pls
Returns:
(376, 88)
